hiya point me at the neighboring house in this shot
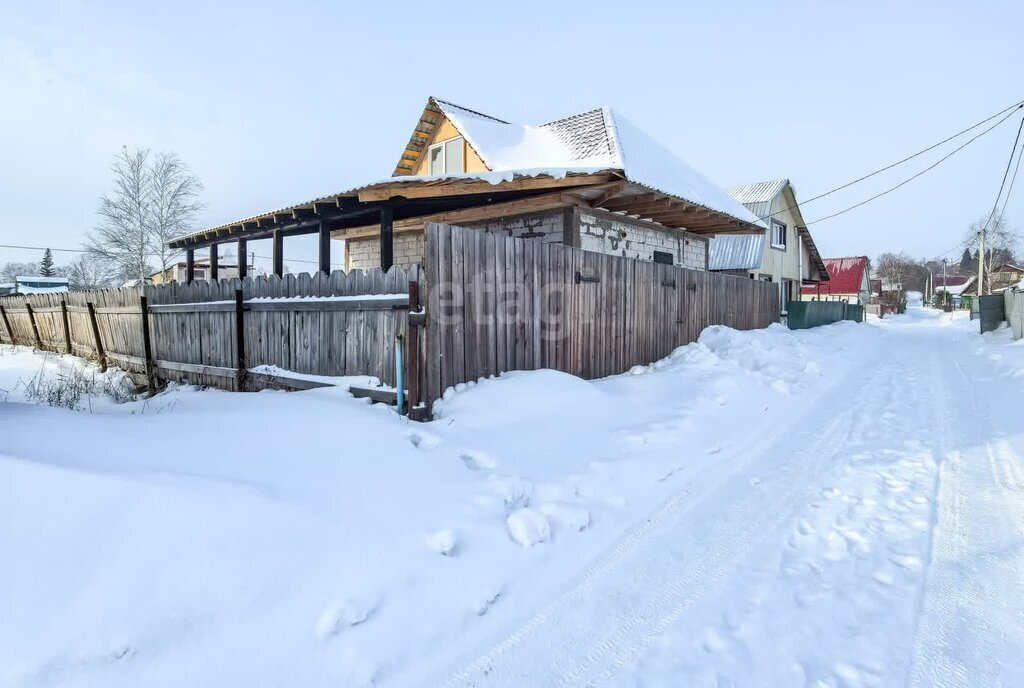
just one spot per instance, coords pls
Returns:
(1002, 276)
(592, 180)
(177, 272)
(956, 285)
(784, 253)
(848, 281)
(35, 284)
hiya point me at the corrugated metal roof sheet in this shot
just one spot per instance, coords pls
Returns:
(762, 192)
(846, 276)
(735, 252)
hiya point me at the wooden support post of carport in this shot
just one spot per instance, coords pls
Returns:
(214, 263)
(243, 258)
(278, 252)
(190, 265)
(324, 233)
(387, 238)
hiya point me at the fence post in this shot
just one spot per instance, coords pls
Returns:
(96, 337)
(146, 346)
(240, 365)
(7, 325)
(412, 351)
(35, 328)
(67, 327)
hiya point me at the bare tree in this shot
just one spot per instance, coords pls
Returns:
(11, 270)
(1001, 244)
(123, 234)
(155, 199)
(90, 271)
(175, 193)
(897, 270)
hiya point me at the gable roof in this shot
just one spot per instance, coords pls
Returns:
(745, 252)
(594, 140)
(846, 276)
(596, 157)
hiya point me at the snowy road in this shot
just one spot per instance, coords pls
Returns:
(877, 539)
(837, 507)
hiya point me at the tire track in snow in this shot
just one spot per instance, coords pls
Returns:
(956, 643)
(586, 634)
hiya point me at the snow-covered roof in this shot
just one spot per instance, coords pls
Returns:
(956, 289)
(594, 139)
(39, 279)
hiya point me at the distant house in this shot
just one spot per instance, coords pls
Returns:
(178, 272)
(784, 253)
(592, 180)
(35, 284)
(1002, 276)
(848, 281)
(956, 285)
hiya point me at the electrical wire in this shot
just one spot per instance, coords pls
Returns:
(927, 169)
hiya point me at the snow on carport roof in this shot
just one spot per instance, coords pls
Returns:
(599, 138)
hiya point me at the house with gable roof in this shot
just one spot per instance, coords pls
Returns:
(592, 180)
(784, 253)
(849, 281)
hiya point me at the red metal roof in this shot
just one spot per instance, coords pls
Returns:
(951, 280)
(846, 275)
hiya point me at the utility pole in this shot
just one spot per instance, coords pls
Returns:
(981, 260)
(945, 284)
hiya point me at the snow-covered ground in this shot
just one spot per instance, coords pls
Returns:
(841, 506)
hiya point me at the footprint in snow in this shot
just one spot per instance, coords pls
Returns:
(486, 601)
(424, 440)
(337, 617)
(477, 460)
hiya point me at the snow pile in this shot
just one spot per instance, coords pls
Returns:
(310, 538)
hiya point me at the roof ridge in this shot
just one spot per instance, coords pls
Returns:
(442, 102)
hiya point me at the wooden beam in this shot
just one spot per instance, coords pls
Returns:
(488, 211)
(278, 252)
(461, 188)
(243, 258)
(623, 203)
(608, 195)
(387, 238)
(214, 263)
(190, 265)
(325, 248)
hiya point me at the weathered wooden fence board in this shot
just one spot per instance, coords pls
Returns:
(499, 304)
(193, 327)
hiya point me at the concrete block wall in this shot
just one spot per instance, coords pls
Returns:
(365, 253)
(622, 236)
(550, 224)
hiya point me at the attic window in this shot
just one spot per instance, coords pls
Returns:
(447, 157)
(778, 235)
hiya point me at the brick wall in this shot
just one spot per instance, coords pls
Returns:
(622, 236)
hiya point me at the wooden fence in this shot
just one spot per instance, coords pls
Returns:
(331, 325)
(497, 303)
(494, 304)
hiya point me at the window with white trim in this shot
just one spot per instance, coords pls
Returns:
(778, 230)
(447, 157)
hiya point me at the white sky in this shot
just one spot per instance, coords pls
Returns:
(272, 105)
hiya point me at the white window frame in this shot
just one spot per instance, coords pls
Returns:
(774, 225)
(444, 156)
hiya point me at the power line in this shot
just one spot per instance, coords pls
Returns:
(1009, 190)
(927, 169)
(44, 248)
(1006, 173)
(1011, 109)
